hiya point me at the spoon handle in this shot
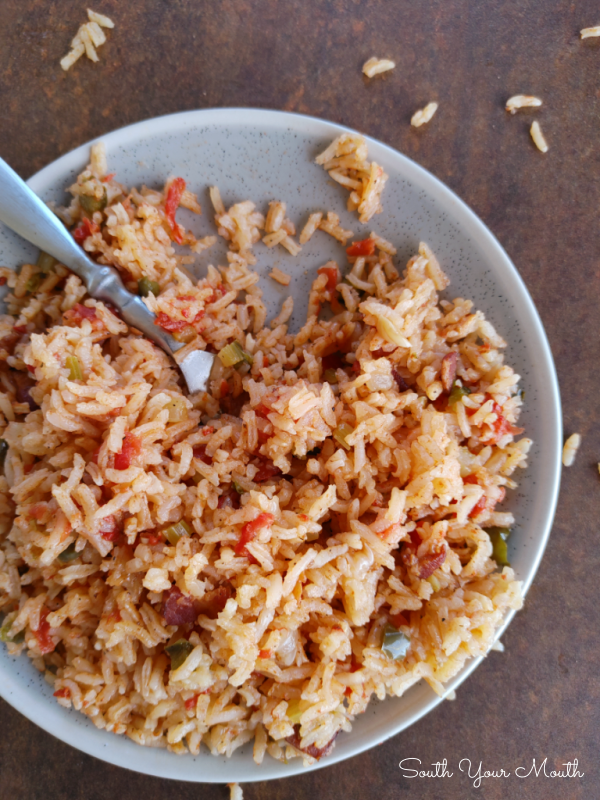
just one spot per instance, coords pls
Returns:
(23, 211)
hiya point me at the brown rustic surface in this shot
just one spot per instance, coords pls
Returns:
(541, 697)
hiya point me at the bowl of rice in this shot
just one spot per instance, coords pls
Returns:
(291, 567)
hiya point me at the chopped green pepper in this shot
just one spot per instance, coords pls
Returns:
(33, 283)
(233, 354)
(146, 287)
(342, 432)
(73, 364)
(68, 554)
(5, 637)
(3, 451)
(499, 539)
(179, 651)
(395, 643)
(52, 668)
(457, 393)
(91, 203)
(330, 376)
(46, 262)
(239, 489)
(176, 531)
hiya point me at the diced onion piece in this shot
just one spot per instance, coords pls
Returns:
(341, 432)
(390, 332)
(177, 410)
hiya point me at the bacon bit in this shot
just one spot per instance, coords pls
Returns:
(2, 281)
(64, 692)
(333, 277)
(229, 500)
(315, 752)
(27, 468)
(366, 247)
(78, 313)
(400, 382)
(224, 388)
(266, 471)
(333, 361)
(109, 528)
(265, 654)
(85, 228)
(398, 620)
(214, 601)
(249, 532)
(200, 452)
(42, 633)
(20, 328)
(179, 608)
(131, 447)
(448, 371)
(108, 177)
(356, 366)
(429, 563)
(176, 190)
(190, 703)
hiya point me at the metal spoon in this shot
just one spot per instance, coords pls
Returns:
(24, 212)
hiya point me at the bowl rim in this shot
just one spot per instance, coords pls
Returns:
(16, 694)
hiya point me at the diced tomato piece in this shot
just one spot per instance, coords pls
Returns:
(95, 455)
(200, 452)
(190, 703)
(109, 528)
(42, 634)
(153, 538)
(176, 189)
(265, 654)
(168, 324)
(398, 620)
(224, 388)
(502, 426)
(108, 177)
(266, 471)
(2, 280)
(131, 447)
(85, 228)
(470, 479)
(20, 328)
(64, 692)
(366, 247)
(178, 608)
(31, 369)
(263, 411)
(250, 530)
(333, 277)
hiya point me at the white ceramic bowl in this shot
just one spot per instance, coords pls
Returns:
(269, 155)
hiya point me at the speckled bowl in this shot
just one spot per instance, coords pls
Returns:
(267, 155)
